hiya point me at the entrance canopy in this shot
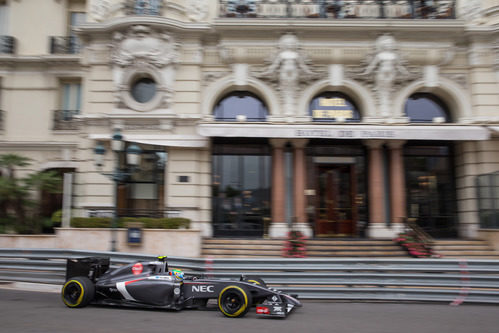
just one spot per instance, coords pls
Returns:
(170, 140)
(384, 132)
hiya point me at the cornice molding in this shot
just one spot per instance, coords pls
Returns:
(49, 60)
(155, 22)
(385, 25)
(36, 145)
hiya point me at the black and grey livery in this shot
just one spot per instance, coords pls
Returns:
(151, 284)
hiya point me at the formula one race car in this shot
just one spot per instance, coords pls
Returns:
(152, 285)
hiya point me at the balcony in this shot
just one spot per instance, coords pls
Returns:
(339, 9)
(64, 45)
(7, 45)
(64, 120)
(143, 7)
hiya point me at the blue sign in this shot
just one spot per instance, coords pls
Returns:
(134, 236)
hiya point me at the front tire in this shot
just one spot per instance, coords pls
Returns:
(234, 301)
(78, 292)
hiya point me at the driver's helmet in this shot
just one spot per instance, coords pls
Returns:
(177, 273)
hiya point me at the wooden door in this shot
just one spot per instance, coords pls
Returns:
(336, 211)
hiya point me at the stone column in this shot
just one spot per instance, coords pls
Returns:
(376, 190)
(397, 185)
(300, 177)
(278, 226)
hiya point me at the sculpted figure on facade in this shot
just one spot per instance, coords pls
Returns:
(471, 11)
(197, 10)
(289, 66)
(142, 50)
(99, 10)
(385, 66)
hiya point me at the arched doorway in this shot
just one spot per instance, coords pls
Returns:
(430, 171)
(241, 170)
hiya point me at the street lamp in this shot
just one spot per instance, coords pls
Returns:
(119, 175)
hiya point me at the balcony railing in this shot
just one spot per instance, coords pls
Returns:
(7, 44)
(64, 120)
(143, 7)
(64, 45)
(339, 9)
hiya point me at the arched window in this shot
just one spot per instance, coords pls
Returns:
(241, 106)
(426, 108)
(333, 106)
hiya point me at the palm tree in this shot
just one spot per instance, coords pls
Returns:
(43, 181)
(12, 193)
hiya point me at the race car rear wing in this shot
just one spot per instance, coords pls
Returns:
(92, 267)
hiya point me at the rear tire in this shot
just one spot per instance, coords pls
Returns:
(234, 301)
(78, 292)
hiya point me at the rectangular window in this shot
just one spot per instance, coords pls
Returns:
(146, 7)
(75, 19)
(70, 100)
(4, 18)
(431, 188)
(71, 96)
(241, 187)
(488, 200)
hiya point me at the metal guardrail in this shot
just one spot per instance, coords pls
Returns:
(441, 280)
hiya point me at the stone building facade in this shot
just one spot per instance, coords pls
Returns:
(337, 118)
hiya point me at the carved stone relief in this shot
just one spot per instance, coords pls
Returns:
(198, 10)
(99, 10)
(471, 11)
(288, 68)
(384, 71)
(141, 52)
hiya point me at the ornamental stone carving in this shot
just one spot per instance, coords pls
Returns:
(142, 52)
(385, 67)
(197, 10)
(472, 11)
(289, 67)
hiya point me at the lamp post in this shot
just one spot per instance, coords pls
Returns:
(118, 175)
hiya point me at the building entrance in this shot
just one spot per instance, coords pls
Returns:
(336, 211)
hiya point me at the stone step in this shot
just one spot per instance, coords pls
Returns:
(239, 253)
(346, 242)
(309, 247)
(466, 248)
(459, 242)
(460, 247)
(251, 248)
(467, 253)
(471, 257)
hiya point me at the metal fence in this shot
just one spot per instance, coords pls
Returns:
(442, 280)
(339, 9)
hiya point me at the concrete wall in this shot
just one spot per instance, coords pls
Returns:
(184, 243)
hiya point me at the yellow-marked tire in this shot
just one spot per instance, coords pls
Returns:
(77, 292)
(234, 301)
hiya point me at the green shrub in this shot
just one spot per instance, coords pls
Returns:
(91, 222)
(149, 223)
(57, 218)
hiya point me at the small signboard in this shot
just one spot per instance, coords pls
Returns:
(134, 233)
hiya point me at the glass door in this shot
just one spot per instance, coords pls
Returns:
(336, 214)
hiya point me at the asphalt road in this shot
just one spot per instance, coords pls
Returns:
(28, 311)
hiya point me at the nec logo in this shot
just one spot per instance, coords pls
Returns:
(202, 288)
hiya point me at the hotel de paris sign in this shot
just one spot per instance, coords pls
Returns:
(382, 132)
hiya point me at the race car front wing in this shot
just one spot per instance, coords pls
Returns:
(276, 307)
